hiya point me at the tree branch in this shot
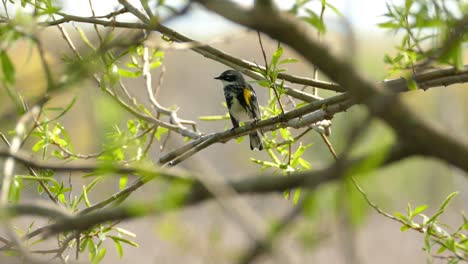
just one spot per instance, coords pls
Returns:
(105, 167)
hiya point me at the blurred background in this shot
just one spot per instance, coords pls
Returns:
(205, 233)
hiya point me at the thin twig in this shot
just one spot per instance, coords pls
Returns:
(147, 9)
(267, 72)
(319, 36)
(329, 145)
(132, 9)
(45, 65)
(374, 206)
(150, 142)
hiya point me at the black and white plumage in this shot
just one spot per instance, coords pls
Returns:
(242, 103)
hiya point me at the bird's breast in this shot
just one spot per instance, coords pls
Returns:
(237, 110)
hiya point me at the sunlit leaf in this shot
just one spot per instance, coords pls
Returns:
(119, 248)
(276, 56)
(8, 69)
(99, 256)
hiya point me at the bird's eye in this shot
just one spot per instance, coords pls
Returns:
(229, 78)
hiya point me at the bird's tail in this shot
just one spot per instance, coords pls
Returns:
(255, 141)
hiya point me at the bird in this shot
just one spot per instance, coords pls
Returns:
(242, 103)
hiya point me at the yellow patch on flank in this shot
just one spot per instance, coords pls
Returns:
(247, 96)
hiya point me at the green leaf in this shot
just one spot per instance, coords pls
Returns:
(264, 83)
(408, 4)
(84, 244)
(100, 255)
(403, 228)
(14, 194)
(240, 139)
(124, 240)
(61, 198)
(402, 217)
(112, 75)
(465, 224)
(8, 68)
(124, 232)
(119, 248)
(39, 145)
(133, 126)
(58, 154)
(334, 9)
(214, 118)
(427, 241)
(160, 131)
(412, 85)
(408, 209)
(390, 24)
(92, 249)
(288, 60)
(286, 134)
(63, 111)
(84, 38)
(297, 195)
(304, 163)
(85, 197)
(441, 249)
(266, 164)
(450, 243)
(129, 74)
(93, 184)
(123, 181)
(276, 56)
(298, 154)
(40, 189)
(388, 59)
(447, 201)
(442, 208)
(87, 189)
(314, 20)
(158, 54)
(155, 64)
(418, 210)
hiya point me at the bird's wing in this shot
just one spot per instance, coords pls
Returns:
(251, 101)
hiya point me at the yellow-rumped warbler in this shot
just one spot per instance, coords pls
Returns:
(242, 103)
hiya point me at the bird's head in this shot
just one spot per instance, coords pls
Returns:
(231, 77)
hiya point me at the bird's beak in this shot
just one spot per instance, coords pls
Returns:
(218, 78)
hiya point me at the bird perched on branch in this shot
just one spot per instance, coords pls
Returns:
(242, 103)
